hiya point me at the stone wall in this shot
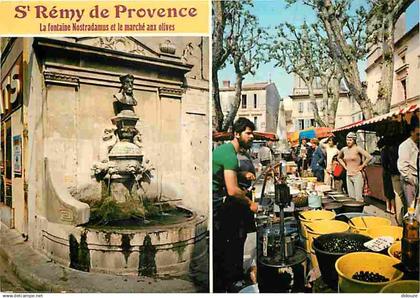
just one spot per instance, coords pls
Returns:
(73, 81)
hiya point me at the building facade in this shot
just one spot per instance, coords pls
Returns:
(14, 136)
(405, 89)
(300, 108)
(260, 103)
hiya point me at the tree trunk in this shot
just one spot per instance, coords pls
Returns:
(333, 105)
(346, 61)
(218, 58)
(383, 103)
(217, 120)
(325, 100)
(312, 97)
(228, 121)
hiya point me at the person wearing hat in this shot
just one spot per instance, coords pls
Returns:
(354, 159)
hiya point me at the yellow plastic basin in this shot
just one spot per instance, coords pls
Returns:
(393, 231)
(351, 263)
(402, 286)
(393, 248)
(312, 216)
(357, 225)
(322, 227)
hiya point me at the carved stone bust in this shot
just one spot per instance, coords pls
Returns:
(125, 96)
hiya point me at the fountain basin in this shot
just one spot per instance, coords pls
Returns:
(170, 248)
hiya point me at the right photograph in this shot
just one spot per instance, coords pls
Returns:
(315, 146)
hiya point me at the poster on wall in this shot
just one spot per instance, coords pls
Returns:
(17, 156)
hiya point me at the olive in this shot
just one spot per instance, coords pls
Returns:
(342, 246)
(369, 276)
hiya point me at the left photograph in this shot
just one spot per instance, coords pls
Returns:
(104, 162)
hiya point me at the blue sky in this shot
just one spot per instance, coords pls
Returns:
(270, 14)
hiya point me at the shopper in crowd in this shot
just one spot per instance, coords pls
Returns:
(330, 147)
(408, 160)
(317, 161)
(354, 159)
(338, 175)
(389, 166)
(303, 155)
(265, 155)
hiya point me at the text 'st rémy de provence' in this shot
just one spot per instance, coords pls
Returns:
(119, 11)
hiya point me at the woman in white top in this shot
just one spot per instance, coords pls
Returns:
(329, 145)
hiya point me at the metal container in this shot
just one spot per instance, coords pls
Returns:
(353, 206)
(314, 200)
(340, 197)
(346, 216)
(261, 220)
(334, 206)
(333, 192)
(325, 201)
(275, 276)
(270, 237)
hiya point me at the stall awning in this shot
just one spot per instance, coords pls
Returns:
(313, 132)
(391, 116)
(293, 137)
(225, 136)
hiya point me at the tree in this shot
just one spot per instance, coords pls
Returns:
(383, 17)
(334, 97)
(330, 76)
(294, 51)
(347, 41)
(221, 52)
(304, 52)
(248, 48)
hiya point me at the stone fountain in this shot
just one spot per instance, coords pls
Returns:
(122, 170)
(124, 231)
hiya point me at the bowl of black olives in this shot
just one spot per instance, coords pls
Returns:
(329, 247)
(365, 272)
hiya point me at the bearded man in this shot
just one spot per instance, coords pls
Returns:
(229, 201)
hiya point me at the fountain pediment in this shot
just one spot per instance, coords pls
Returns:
(120, 44)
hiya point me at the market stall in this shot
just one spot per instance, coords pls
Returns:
(394, 124)
(226, 136)
(300, 217)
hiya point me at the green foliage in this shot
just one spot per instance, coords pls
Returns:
(108, 210)
(151, 209)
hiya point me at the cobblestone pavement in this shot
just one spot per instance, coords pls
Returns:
(39, 274)
(8, 280)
